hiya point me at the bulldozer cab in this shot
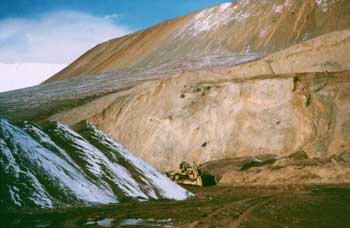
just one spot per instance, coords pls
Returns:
(184, 166)
(188, 174)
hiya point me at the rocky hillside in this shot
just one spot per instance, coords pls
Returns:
(54, 166)
(208, 100)
(245, 26)
(269, 106)
(212, 110)
(293, 169)
(39, 102)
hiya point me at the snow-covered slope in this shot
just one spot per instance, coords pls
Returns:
(54, 166)
(20, 75)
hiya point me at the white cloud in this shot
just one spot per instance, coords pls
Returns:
(21, 75)
(53, 38)
(58, 37)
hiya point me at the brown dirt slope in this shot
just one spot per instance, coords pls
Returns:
(120, 52)
(244, 26)
(219, 114)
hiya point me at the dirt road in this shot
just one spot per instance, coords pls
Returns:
(314, 206)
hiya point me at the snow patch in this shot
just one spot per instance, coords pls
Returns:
(288, 3)
(212, 18)
(105, 222)
(224, 6)
(324, 5)
(55, 168)
(165, 186)
(14, 196)
(96, 160)
(263, 32)
(37, 160)
(146, 222)
(278, 9)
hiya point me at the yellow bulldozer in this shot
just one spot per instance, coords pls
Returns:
(190, 175)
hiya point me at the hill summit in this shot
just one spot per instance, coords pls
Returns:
(245, 26)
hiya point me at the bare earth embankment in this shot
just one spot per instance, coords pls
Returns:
(255, 92)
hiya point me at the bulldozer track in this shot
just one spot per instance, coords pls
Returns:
(242, 217)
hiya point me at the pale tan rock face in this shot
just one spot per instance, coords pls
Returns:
(326, 53)
(291, 175)
(249, 109)
(183, 120)
(285, 171)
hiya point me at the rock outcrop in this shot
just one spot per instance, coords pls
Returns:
(288, 171)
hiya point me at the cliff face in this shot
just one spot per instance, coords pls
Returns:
(183, 120)
(244, 26)
(269, 106)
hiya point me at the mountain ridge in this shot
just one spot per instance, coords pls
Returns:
(237, 27)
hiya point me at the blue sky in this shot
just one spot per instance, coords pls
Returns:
(137, 14)
(59, 31)
(40, 37)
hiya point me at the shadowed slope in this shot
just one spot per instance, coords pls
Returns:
(53, 166)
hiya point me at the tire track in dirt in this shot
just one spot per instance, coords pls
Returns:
(245, 214)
